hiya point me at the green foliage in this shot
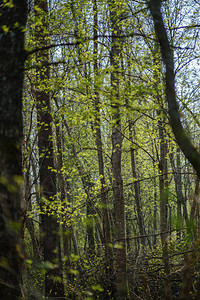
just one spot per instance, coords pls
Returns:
(83, 102)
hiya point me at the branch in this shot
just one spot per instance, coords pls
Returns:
(85, 39)
(181, 136)
(30, 52)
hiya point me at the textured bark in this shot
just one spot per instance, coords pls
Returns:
(118, 196)
(181, 136)
(12, 57)
(49, 223)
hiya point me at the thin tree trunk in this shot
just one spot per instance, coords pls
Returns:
(28, 221)
(155, 208)
(194, 215)
(118, 196)
(136, 188)
(98, 140)
(163, 183)
(178, 186)
(65, 199)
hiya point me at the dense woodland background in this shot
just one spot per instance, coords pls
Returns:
(110, 205)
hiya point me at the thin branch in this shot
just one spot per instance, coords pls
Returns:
(30, 52)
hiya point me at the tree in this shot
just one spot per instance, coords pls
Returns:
(181, 136)
(117, 138)
(101, 165)
(12, 56)
(100, 65)
(49, 223)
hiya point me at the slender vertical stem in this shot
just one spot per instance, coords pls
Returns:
(118, 194)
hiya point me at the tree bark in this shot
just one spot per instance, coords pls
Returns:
(12, 56)
(117, 138)
(49, 222)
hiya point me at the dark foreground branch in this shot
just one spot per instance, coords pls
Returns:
(181, 136)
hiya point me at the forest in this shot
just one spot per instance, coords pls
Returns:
(99, 149)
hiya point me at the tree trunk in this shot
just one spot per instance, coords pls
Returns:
(136, 188)
(98, 140)
(194, 215)
(118, 196)
(28, 222)
(163, 183)
(12, 56)
(155, 198)
(49, 222)
(64, 197)
(180, 134)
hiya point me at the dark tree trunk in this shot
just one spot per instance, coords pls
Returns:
(12, 56)
(49, 222)
(181, 136)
